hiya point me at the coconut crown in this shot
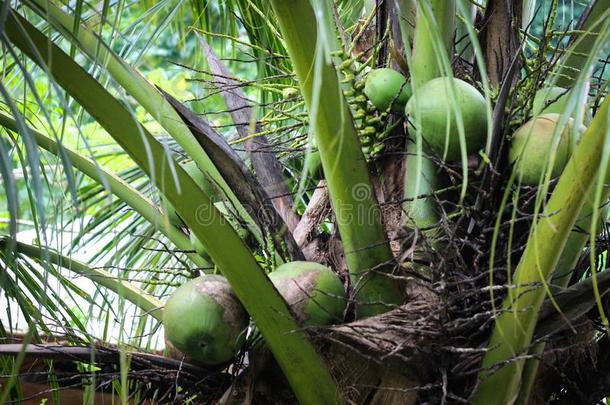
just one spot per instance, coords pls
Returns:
(204, 320)
(535, 142)
(314, 292)
(387, 89)
(434, 111)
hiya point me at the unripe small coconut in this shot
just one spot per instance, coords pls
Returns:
(550, 100)
(205, 321)
(386, 86)
(433, 110)
(532, 146)
(314, 292)
(289, 93)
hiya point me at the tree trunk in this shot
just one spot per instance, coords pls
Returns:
(499, 37)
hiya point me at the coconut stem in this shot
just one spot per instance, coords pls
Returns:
(426, 64)
(433, 39)
(561, 277)
(420, 208)
(352, 195)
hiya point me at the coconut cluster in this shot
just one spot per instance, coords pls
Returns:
(205, 321)
(450, 117)
(440, 111)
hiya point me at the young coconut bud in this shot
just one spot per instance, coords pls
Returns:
(386, 86)
(437, 116)
(359, 85)
(532, 147)
(205, 321)
(290, 93)
(360, 100)
(349, 93)
(313, 291)
(377, 149)
(359, 114)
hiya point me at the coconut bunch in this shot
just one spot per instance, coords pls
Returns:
(204, 320)
(435, 114)
(370, 118)
(447, 117)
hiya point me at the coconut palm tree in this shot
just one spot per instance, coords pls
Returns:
(313, 201)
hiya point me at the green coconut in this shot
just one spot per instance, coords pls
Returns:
(313, 291)
(433, 111)
(205, 321)
(532, 146)
(550, 100)
(200, 179)
(385, 87)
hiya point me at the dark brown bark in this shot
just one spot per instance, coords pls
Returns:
(305, 234)
(266, 166)
(499, 36)
(243, 183)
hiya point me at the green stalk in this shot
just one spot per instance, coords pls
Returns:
(465, 47)
(576, 58)
(514, 328)
(304, 368)
(426, 64)
(140, 298)
(115, 184)
(561, 277)
(577, 239)
(352, 195)
(145, 93)
(420, 184)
